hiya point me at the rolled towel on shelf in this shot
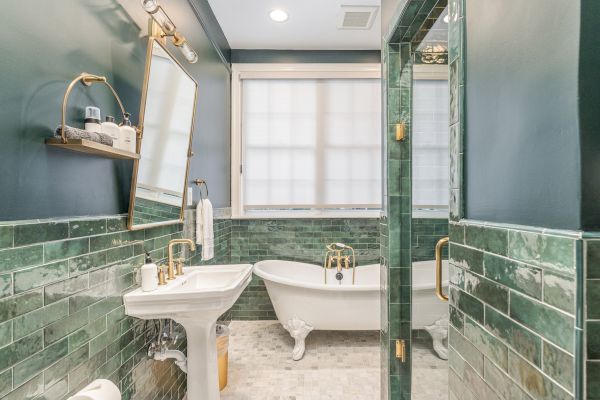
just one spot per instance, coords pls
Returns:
(76, 133)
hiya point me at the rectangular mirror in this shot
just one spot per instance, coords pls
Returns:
(166, 123)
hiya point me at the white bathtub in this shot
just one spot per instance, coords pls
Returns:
(303, 302)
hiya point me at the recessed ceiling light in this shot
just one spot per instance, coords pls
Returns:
(278, 15)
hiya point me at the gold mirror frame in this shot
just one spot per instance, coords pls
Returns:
(136, 164)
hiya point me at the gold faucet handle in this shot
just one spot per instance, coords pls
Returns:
(179, 264)
(161, 275)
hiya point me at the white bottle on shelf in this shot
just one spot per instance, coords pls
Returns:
(92, 119)
(127, 135)
(111, 129)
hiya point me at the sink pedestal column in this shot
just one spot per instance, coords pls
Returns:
(202, 375)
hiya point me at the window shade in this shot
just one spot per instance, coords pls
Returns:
(311, 143)
(430, 173)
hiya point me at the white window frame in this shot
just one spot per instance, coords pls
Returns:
(241, 71)
(432, 72)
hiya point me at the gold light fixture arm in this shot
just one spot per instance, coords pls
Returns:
(87, 80)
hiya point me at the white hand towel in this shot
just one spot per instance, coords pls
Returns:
(204, 228)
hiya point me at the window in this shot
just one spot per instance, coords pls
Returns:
(309, 142)
(430, 184)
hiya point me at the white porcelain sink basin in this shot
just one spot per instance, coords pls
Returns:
(195, 300)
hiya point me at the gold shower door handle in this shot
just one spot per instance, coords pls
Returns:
(438, 268)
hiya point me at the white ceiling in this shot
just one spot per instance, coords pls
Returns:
(312, 25)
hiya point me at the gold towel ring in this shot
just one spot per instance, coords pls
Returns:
(201, 182)
(87, 80)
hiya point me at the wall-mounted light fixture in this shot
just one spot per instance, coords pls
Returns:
(169, 29)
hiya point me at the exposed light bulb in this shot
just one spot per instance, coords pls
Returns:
(278, 15)
(189, 53)
(150, 5)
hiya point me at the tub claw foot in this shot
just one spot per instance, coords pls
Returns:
(298, 330)
(439, 332)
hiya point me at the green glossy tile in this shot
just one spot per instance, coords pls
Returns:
(554, 325)
(5, 382)
(6, 333)
(593, 380)
(84, 334)
(485, 238)
(6, 236)
(65, 249)
(559, 291)
(466, 350)
(539, 386)
(559, 365)
(456, 232)
(475, 383)
(524, 246)
(120, 253)
(43, 232)
(523, 341)
(502, 384)
(521, 277)
(80, 228)
(17, 258)
(485, 342)
(558, 253)
(20, 349)
(27, 323)
(85, 263)
(487, 291)
(39, 276)
(116, 224)
(60, 370)
(105, 306)
(467, 258)
(60, 290)
(6, 285)
(593, 259)
(35, 364)
(28, 391)
(104, 242)
(14, 306)
(457, 276)
(457, 319)
(466, 303)
(593, 340)
(63, 327)
(593, 299)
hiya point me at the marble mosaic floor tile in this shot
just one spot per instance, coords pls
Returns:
(429, 372)
(337, 365)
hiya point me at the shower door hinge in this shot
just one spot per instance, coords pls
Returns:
(401, 350)
(400, 131)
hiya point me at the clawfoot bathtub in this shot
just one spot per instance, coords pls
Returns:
(303, 302)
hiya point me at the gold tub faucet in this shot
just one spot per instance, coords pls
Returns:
(335, 254)
(171, 268)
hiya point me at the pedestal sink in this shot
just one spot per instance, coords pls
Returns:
(195, 300)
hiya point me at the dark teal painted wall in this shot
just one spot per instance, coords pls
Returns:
(522, 162)
(48, 43)
(305, 56)
(589, 103)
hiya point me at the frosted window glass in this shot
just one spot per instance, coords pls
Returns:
(311, 143)
(430, 158)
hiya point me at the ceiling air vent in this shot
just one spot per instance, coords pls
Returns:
(357, 17)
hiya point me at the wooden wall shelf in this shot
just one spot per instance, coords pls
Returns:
(91, 147)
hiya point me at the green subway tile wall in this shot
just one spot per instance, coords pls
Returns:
(425, 234)
(592, 319)
(148, 211)
(62, 320)
(301, 240)
(507, 340)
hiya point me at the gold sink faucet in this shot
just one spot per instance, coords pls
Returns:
(171, 268)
